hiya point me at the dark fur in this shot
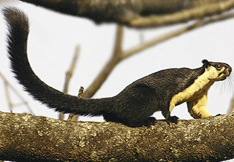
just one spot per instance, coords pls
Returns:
(132, 107)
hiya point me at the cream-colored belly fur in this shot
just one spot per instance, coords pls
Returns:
(196, 95)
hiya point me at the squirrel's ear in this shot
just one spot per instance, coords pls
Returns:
(206, 63)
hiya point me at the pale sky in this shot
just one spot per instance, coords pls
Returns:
(52, 42)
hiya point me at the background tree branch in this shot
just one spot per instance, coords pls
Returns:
(69, 75)
(25, 137)
(8, 86)
(119, 54)
(138, 13)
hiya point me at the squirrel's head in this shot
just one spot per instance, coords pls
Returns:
(217, 70)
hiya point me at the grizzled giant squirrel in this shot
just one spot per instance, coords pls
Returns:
(133, 106)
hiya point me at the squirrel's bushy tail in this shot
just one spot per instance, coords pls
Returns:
(17, 49)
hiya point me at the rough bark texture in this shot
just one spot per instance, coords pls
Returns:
(25, 137)
(138, 13)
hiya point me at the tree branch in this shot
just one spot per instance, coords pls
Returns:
(119, 54)
(183, 16)
(138, 13)
(231, 108)
(69, 75)
(73, 117)
(10, 104)
(197, 24)
(71, 69)
(25, 137)
(114, 60)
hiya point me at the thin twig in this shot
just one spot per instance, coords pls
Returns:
(141, 37)
(10, 105)
(231, 108)
(69, 74)
(17, 93)
(178, 32)
(81, 91)
(118, 41)
(116, 57)
(71, 70)
(73, 117)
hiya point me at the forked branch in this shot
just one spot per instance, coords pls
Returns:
(7, 85)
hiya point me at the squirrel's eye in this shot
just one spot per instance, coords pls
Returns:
(218, 67)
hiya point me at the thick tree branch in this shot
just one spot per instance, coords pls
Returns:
(138, 13)
(25, 137)
(184, 15)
